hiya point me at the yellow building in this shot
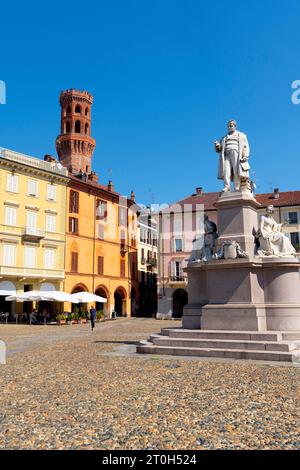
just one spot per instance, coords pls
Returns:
(101, 254)
(32, 226)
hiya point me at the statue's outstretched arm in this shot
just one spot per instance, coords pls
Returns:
(218, 145)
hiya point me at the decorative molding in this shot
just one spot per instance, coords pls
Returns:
(11, 203)
(51, 211)
(32, 208)
(9, 240)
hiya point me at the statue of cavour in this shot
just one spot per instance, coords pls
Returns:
(234, 153)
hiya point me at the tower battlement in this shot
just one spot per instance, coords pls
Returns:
(75, 95)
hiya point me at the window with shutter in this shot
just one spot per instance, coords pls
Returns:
(9, 255)
(74, 202)
(11, 216)
(31, 219)
(178, 224)
(32, 187)
(30, 257)
(74, 262)
(51, 192)
(50, 223)
(293, 218)
(100, 265)
(12, 183)
(101, 211)
(49, 258)
(178, 244)
(73, 225)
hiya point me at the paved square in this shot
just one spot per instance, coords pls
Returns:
(65, 388)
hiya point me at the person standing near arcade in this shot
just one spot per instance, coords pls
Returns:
(93, 314)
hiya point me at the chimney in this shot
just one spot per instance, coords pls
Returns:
(110, 186)
(132, 196)
(93, 177)
(276, 193)
(199, 191)
(49, 158)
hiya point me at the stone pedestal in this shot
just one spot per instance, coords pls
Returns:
(237, 219)
(252, 294)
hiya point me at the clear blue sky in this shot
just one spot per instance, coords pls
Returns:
(166, 76)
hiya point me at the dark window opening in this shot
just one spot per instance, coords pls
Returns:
(77, 127)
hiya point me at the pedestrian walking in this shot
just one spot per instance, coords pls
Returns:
(93, 314)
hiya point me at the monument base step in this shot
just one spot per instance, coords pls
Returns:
(245, 345)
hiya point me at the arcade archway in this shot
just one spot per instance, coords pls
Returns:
(120, 297)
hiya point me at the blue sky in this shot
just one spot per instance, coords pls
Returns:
(166, 76)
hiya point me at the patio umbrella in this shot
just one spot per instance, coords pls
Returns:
(59, 296)
(7, 293)
(26, 296)
(87, 297)
(35, 295)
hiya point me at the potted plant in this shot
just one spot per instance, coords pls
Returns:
(85, 317)
(61, 319)
(75, 317)
(70, 318)
(100, 315)
(82, 317)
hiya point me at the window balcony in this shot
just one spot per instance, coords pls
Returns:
(151, 263)
(181, 278)
(33, 234)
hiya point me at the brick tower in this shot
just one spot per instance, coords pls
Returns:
(74, 145)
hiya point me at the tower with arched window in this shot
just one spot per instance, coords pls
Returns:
(74, 145)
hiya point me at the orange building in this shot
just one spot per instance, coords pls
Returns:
(101, 247)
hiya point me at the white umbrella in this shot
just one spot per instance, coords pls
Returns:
(7, 292)
(26, 296)
(87, 297)
(59, 296)
(50, 296)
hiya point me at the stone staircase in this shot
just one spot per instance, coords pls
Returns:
(249, 345)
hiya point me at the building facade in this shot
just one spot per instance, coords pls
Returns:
(32, 227)
(178, 227)
(147, 236)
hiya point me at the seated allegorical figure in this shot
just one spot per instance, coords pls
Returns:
(272, 242)
(203, 243)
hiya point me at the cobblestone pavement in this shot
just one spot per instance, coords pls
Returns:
(65, 388)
